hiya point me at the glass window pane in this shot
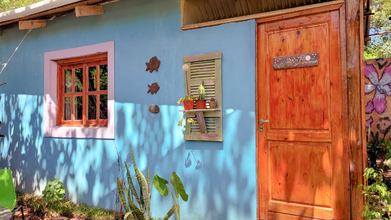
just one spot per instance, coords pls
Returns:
(103, 77)
(103, 106)
(92, 107)
(67, 81)
(67, 108)
(78, 107)
(92, 78)
(79, 80)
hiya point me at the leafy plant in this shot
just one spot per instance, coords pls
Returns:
(376, 205)
(201, 91)
(161, 186)
(187, 98)
(63, 208)
(53, 193)
(376, 145)
(142, 212)
(189, 120)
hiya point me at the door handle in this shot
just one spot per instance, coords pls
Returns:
(261, 124)
(263, 121)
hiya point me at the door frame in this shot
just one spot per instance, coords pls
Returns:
(354, 162)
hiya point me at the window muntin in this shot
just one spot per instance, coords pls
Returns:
(83, 93)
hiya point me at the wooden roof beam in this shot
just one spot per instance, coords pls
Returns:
(89, 10)
(52, 11)
(31, 24)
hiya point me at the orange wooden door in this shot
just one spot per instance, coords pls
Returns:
(301, 169)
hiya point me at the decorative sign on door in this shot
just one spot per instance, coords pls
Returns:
(296, 61)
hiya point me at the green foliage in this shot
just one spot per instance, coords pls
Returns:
(53, 193)
(188, 98)
(189, 120)
(144, 199)
(161, 186)
(376, 204)
(6, 5)
(380, 45)
(63, 208)
(201, 91)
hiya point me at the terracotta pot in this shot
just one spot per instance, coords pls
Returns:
(201, 104)
(212, 104)
(188, 104)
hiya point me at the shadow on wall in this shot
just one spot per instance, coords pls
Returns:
(218, 177)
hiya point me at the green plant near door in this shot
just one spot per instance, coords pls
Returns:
(161, 186)
(142, 211)
(377, 203)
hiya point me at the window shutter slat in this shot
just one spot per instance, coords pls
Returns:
(204, 68)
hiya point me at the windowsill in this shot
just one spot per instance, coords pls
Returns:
(79, 132)
(51, 129)
(201, 110)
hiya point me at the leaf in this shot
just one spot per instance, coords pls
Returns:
(121, 195)
(132, 206)
(160, 185)
(145, 191)
(178, 186)
(132, 188)
(129, 216)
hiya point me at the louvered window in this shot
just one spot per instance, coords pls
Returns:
(208, 122)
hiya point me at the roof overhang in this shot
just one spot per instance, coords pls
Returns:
(49, 9)
(34, 9)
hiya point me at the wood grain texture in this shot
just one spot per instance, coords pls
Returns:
(301, 151)
(89, 10)
(201, 122)
(266, 16)
(31, 24)
(356, 117)
(301, 210)
(204, 69)
(82, 63)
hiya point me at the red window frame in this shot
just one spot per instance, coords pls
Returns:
(73, 64)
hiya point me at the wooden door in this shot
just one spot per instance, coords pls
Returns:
(301, 169)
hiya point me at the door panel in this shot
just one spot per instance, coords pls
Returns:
(293, 180)
(300, 146)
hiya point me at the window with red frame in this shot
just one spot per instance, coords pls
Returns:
(82, 91)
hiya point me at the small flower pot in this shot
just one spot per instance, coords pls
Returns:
(212, 104)
(201, 104)
(188, 104)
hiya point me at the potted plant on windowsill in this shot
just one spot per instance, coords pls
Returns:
(201, 102)
(187, 102)
(212, 103)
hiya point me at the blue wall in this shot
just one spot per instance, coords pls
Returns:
(225, 185)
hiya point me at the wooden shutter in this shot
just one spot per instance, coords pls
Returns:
(207, 68)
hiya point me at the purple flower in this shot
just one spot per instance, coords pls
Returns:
(381, 86)
(369, 122)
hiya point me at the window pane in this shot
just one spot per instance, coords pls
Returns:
(67, 81)
(67, 108)
(92, 78)
(103, 77)
(78, 107)
(92, 107)
(79, 80)
(103, 106)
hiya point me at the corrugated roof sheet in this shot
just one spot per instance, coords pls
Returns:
(198, 11)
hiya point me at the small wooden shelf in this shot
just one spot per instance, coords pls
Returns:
(201, 110)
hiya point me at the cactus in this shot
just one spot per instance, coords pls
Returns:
(201, 91)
